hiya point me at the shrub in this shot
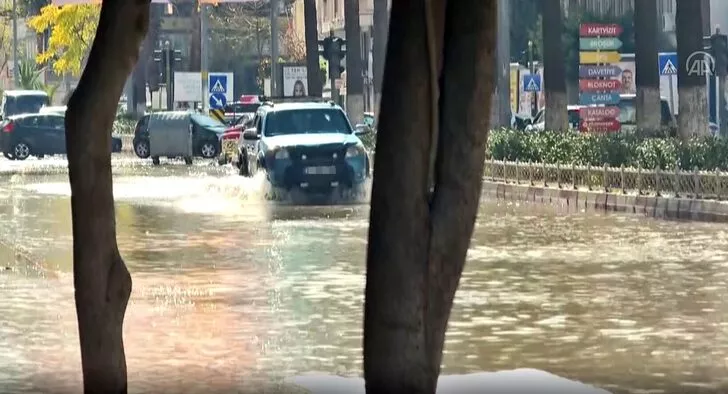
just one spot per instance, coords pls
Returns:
(124, 126)
(615, 149)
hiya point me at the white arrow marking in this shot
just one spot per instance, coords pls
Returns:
(218, 101)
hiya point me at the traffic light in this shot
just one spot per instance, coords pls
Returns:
(161, 60)
(719, 50)
(332, 47)
(167, 60)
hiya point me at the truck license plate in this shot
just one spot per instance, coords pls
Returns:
(326, 170)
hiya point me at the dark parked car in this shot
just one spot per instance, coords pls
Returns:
(206, 135)
(22, 136)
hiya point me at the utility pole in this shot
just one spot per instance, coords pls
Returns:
(16, 74)
(203, 57)
(380, 16)
(334, 69)
(354, 77)
(274, 51)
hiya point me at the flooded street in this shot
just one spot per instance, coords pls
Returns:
(231, 290)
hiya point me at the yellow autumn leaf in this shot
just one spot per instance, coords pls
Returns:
(73, 28)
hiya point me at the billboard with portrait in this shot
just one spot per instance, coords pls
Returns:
(295, 83)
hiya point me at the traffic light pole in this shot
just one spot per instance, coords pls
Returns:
(334, 49)
(168, 81)
(203, 58)
(334, 74)
(532, 69)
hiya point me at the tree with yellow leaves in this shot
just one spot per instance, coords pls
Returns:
(73, 28)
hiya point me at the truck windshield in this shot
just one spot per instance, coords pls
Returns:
(306, 121)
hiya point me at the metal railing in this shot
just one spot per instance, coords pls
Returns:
(626, 180)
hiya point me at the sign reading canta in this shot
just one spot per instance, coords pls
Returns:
(608, 71)
(600, 30)
(598, 113)
(600, 85)
(599, 57)
(601, 125)
(599, 98)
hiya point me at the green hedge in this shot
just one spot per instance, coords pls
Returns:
(123, 125)
(614, 149)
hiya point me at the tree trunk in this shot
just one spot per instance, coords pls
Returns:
(313, 69)
(647, 77)
(554, 69)
(572, 83)
(691, 86)
(380, 16)
(101, 279)
(418, 238)
(354, 80)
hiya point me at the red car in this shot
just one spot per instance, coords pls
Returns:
(235, 131)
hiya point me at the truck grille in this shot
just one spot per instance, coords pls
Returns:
(319, 155)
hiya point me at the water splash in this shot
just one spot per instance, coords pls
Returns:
(202, 189)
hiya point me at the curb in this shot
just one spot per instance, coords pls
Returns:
(581, 200)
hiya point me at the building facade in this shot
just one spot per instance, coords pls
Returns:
(665, 11)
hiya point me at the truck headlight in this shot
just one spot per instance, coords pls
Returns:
(281, 154)
(355, 151)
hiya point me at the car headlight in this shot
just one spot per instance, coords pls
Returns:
(281, 154)
(355, 151)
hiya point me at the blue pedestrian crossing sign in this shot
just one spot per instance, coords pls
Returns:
(667, 63)
(531, 83)
(217, 84)
(217, 100)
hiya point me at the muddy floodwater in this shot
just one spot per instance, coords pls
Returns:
(231, 290)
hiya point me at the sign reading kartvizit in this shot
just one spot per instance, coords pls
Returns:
(600, 30)
(598, 90)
